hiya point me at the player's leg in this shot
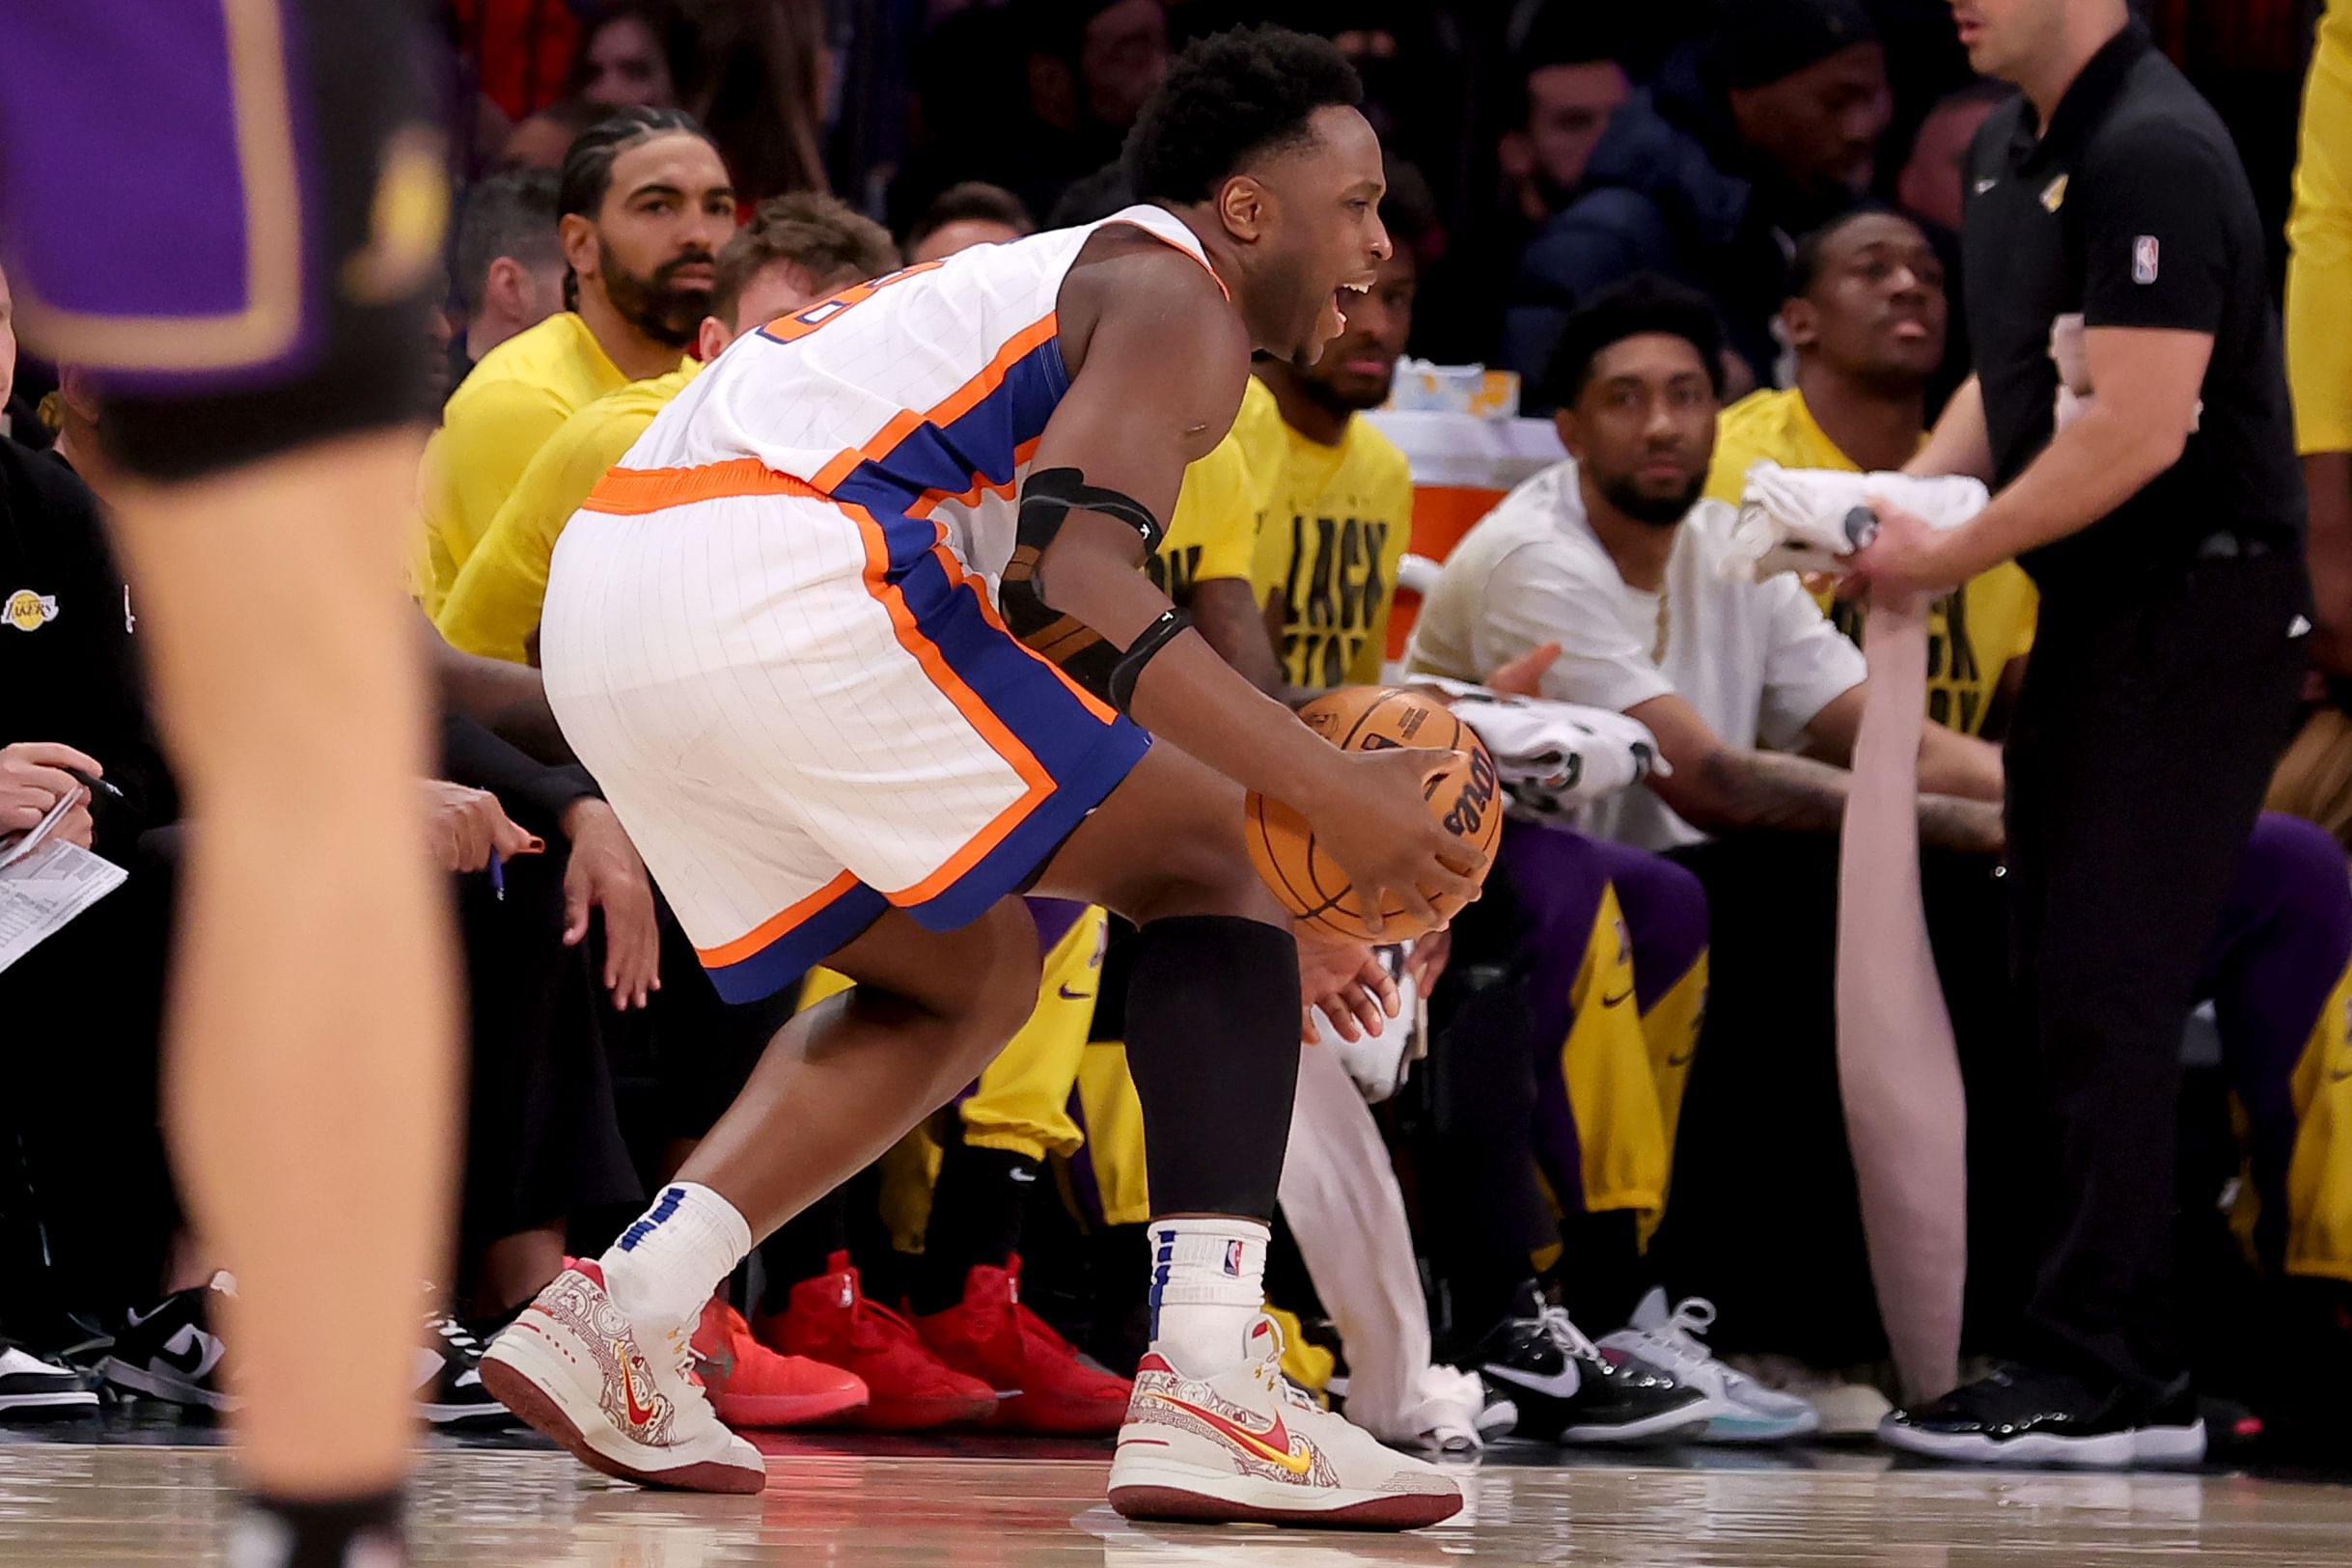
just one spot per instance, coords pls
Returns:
(965, 1289)
(1212, 1041)
(311, 1069)
(262, 372)
(838, 1084)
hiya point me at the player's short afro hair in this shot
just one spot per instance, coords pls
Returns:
(1226, 96)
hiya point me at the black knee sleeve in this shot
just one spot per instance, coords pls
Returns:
(1212, 1042)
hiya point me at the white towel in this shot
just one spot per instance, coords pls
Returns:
(1340, 1195)
(1810, 519)
(1553, 757)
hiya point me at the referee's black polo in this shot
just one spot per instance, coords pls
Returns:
(2134, 211)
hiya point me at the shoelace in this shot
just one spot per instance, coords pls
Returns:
(460, 1337)
(1556, 1327)
(1678, 1335)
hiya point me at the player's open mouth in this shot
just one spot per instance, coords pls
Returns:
(1341, 295)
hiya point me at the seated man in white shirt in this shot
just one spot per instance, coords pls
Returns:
(1754, 698)
(1613, 556)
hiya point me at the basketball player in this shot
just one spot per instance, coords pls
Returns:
(253, 291)
(796, 637)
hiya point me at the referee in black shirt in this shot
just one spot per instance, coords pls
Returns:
(2162, 517)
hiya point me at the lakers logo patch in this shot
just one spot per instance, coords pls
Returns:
(28, 611)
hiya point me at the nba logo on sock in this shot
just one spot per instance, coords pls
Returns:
(2143, 258)
(1232, 1259)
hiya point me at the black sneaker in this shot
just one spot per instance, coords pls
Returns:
(1567, 1391)
(448, 1377)
(170, 1353)
(33, 1384)
(2021, 1415)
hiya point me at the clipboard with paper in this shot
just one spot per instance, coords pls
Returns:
(45, 882)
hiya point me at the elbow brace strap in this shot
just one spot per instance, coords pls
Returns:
(1140, 652)
(1047, 498)
(1050, 495)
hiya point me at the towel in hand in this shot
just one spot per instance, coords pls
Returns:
(1810, 519)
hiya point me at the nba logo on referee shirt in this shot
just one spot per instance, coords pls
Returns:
(2143, 258)
(1232, 1259)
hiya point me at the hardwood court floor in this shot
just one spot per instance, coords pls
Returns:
(153, 1496)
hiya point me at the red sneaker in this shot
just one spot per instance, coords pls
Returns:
(990, 1335)
(753, 1385)
(908, 1388)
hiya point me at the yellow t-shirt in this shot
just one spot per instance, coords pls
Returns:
(494, 607)
(1973, 632)
(1214, 530)
(501, 413)
(1334, 536)
(2319, 246)
(1265, 442)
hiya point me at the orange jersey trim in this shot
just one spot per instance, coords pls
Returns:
(634, 492)
(765, 935)
(953, 406)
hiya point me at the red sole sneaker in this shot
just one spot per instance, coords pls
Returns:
(541, 1413)
(1406, 1511)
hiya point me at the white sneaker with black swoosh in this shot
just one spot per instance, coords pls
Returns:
(575, 1367)
(1244, 1447)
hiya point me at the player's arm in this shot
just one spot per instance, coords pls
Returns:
(1160, 377)
(1722, 788)
(1951, 763)
(508, 699)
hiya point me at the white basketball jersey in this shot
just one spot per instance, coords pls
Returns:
(922, 393)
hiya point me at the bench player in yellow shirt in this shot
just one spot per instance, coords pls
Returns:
(643, 205)
(797, 250)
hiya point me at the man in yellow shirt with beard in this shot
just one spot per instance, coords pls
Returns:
(644, 204)
(797, 250)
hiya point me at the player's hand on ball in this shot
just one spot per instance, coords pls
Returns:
(605, 873)
(1376, 824)
(1348, 984)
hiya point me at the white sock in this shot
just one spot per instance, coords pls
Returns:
(1208, 1284)
(664, 1266)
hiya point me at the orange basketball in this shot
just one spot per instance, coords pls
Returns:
(1464, 797)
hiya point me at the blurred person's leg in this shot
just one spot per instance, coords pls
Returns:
(263, 382)
(311, 979)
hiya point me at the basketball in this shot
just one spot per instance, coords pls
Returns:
(1463, 797)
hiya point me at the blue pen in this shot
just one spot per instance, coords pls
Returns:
(498, 877)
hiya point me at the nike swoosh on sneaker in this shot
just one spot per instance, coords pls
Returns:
(1559, 1385)
(639, 1415)
(1275, 1445)
(191, 1352)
